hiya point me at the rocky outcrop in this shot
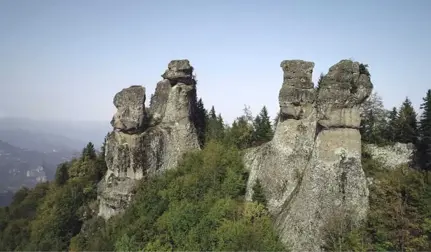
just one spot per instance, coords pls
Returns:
(312, 167)
(391, 156)
(279, 163)
(147, 142)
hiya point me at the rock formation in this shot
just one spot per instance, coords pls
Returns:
(312, 167)
(391, 156)
(147, 142)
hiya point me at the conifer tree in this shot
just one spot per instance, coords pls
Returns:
(263, 131)
(62, 174)
(407, 131)
(373, 120)
(424, 143)
(103, 147)
(319, 82)
(89, 152)
(215, 126)
(390, 132)
(212, 113)
(201, 121)
(258, 194)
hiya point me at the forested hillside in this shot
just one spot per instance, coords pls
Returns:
(200, 205)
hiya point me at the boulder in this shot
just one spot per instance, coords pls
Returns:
(130, 116)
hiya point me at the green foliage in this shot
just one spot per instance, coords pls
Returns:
(199, 206)
(258, 194)
(247, 131)
(49, 215)
(319, 82)
(201, 120)
(373, 123)
(263, 131)
(363, 69)
(214, 127)
(390, 132)
(89, 152)
(406, 126)
(62, 174)
(241, 133)
(399, 214)
(424, 143)
(382, 127)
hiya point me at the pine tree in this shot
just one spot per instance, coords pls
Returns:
(407, 131)
(390, 132)
(212, 113)
(263, 131)
(62, 174)
(424, 143)
(215, 126)
(319, 82)
(89, 152)
(373, 120)
(220, 127)
(201, 121)
(258, 194)
(103, 147)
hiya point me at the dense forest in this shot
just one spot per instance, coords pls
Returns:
(200, 205)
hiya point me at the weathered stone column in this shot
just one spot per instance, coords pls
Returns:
(333, 187)
(280, 163)
(145, 143)
(311, 171)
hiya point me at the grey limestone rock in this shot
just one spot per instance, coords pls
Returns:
(312, 167)
(278, 163)
(179, 71)
(130, 116)
(297, 94)
(167, 134)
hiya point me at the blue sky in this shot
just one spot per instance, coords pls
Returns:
(66, 59)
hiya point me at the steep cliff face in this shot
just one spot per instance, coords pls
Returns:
(144, 143)
(279, 163)
(312, 167)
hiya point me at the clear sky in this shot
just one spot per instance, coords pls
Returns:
(66, 59)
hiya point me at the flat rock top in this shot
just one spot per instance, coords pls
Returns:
(295, 65)
(131, 96)
(182, 65)
(297, 73)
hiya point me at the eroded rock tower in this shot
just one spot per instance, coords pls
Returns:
(312, 167)
(145, 142)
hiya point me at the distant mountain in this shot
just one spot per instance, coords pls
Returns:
(71, 134)
(40, 141)
(30, 150)
(21, 167)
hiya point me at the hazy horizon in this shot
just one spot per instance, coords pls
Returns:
(65, 60)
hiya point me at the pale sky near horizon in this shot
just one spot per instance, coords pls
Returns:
(66, 59)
